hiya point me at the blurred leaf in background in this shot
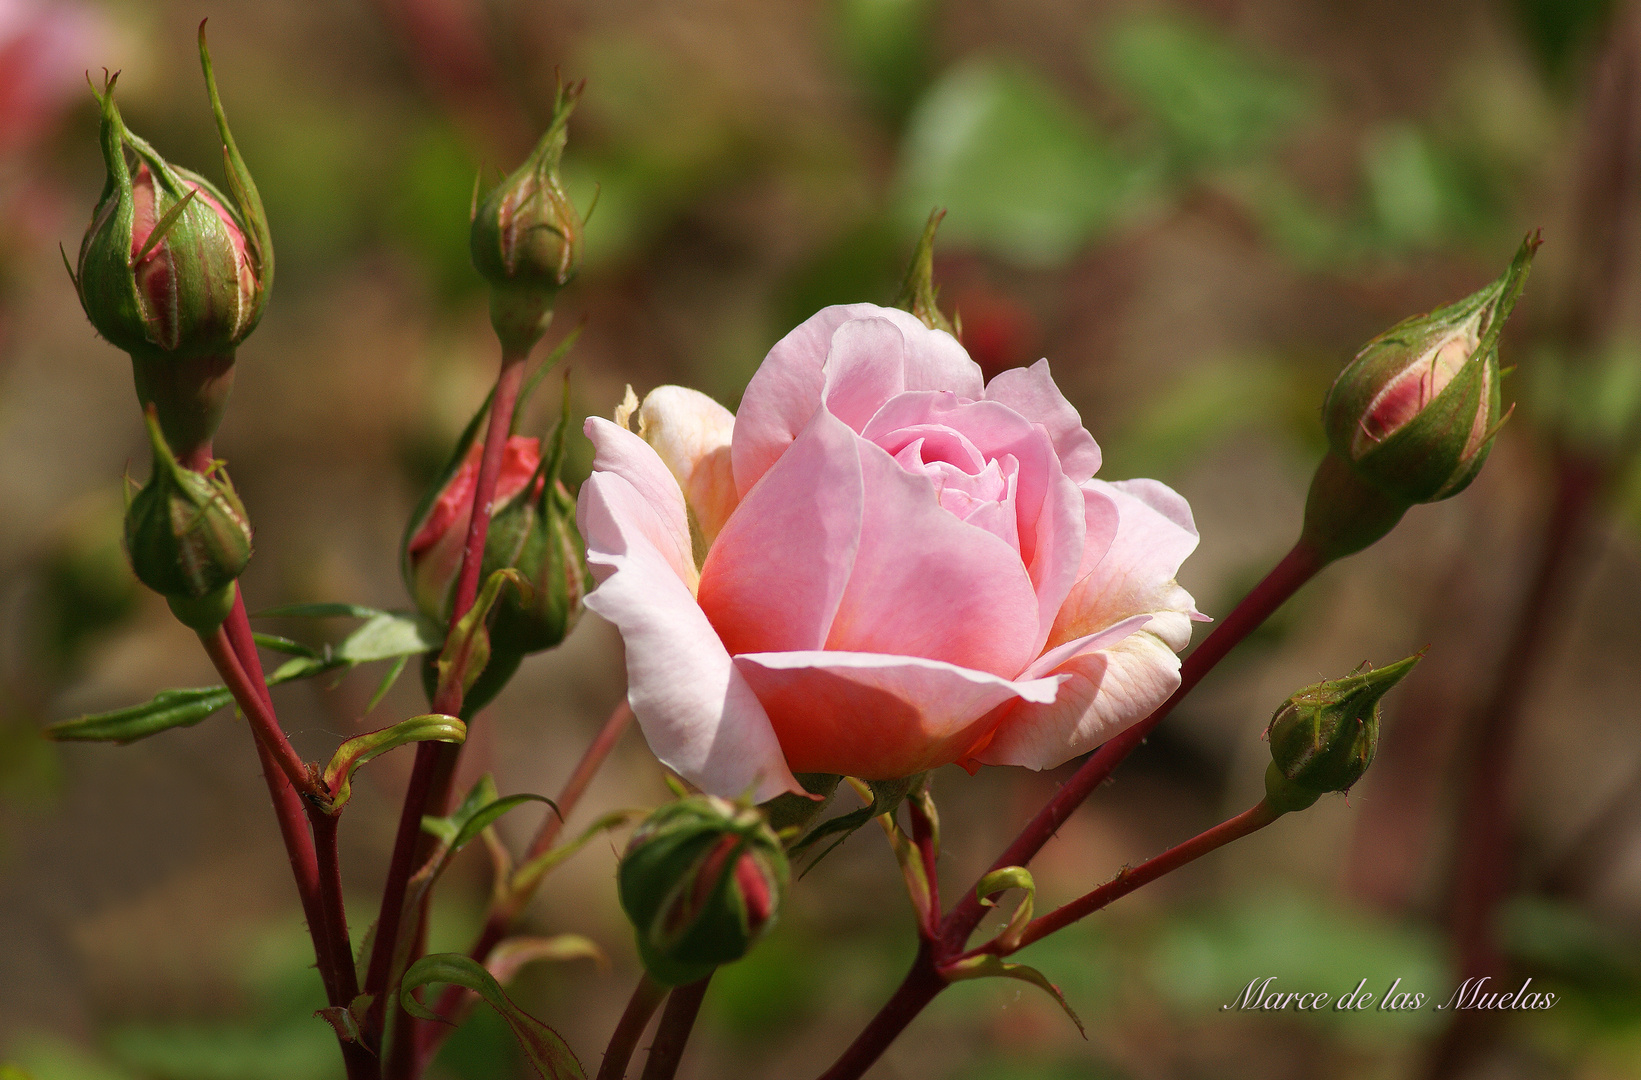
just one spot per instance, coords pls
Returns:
(1021, 173)
(886, 50)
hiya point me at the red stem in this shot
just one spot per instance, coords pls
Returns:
(672, 1035)
(428, 790)
(1249, 821)
(923, 982)
(249, 695)
(646, 997)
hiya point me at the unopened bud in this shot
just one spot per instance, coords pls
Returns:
(1415, 413)
(701, 880)
(174, 272)
(188, 536)
(526, 237)
(1323, 738)
(535, 533)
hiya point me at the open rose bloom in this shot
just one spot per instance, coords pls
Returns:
(879, 566)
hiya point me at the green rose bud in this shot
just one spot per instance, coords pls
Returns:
(1415, 413)
(1323, 738)
(188, 536)
(174, 272)
(526, 237)
(701, 881)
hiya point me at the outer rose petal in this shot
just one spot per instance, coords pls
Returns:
(691, 433)
(1121, 683)
(774, 579)
(786, 389)
(698, 714)
(878, 717)
(926, 584)
(1108, 691)
(619, 452)
(1031, 393)
(1154, 535)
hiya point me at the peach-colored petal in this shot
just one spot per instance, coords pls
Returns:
(692, 433)
(619, 452)
(697, 712)
(878, 717)
(926, 584)
(777, 574)
(1031, 393)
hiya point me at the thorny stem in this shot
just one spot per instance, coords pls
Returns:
(264, 725)
(672, 1034)
(646, 998)
(923, 982)
(1249, 821)
(504, 912)
(317, 880)
(428, 790)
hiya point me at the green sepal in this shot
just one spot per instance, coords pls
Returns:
(987, 966)
(351, 755)
(529, 874)
(918, 293)
(467, 649)
(247, 200)
(1001, 880)
(887, 795)
(548, 1055)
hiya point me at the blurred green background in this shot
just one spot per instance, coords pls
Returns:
(1196, 210)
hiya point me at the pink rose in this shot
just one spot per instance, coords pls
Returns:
(879, 566)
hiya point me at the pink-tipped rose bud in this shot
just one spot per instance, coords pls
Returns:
(702, 881)
(438, 532)
(1414, 414)
(174, 272)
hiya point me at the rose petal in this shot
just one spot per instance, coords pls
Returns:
(787, 387)
(878, 717)
(1107, 692)
(926, 584)
(775, 577)
(619, 452)
(1154, 535)
(692, 433)
(697, 712)
(1050, 510)
(1031, 393)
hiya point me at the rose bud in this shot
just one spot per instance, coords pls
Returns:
(175, 273)
(1323, 738)
(188, 536)
(526, 237)
(1414, 414)
(535, 533)
(437, 535)
(701, 880)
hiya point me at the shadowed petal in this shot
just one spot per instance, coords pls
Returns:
(878, 717)
(619, 452)
(1031, 393)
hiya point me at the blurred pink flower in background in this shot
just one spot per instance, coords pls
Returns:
(45, 51)
(880, 565)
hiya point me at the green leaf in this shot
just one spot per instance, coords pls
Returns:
(302, 667)
(1020, 171)
(388, 635)
(275, 643)
(167, 709)
(991, 967)
(320, 611)
(433, 727)
(510, 955)
(549, 1055)
(1214, 99)
(386, 684)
